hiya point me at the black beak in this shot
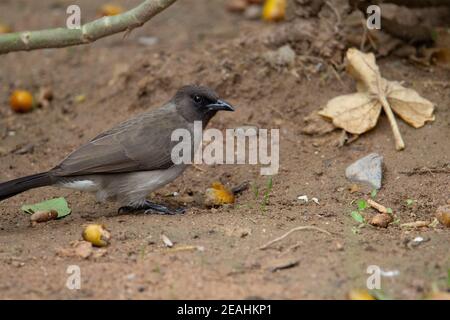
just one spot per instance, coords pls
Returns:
(220, 105)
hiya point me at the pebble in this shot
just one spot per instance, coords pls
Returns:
(282, 57)
(253, 12)
(367, 170)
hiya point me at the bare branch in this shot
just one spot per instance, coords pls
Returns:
(89, 32)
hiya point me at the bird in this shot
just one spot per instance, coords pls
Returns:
(129, 161)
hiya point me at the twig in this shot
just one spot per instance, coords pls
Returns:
(377, 206)
(284, 266)
(268, 244)
(425, 170)
(399, 144)
(90, 32)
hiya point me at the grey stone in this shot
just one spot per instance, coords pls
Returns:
(367, 170)
(280, 58)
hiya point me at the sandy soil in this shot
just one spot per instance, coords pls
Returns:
(200, 42)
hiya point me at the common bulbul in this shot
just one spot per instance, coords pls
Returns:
(132, 159)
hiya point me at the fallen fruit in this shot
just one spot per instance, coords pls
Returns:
(5, 28)
(218, 195)
(21, 101)
(381, 220)
(44, 97)
(443, 215)
(43, 216)
(274, 10)
(360, 294)
(97, 235)
(110, 10)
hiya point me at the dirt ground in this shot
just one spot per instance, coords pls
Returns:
(200, 42)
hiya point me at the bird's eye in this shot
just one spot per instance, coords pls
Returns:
(198, 99)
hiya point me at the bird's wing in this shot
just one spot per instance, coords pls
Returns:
(139, 144)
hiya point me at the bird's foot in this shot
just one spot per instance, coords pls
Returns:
(151, 207)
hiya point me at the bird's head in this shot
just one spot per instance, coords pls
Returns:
(199, 103)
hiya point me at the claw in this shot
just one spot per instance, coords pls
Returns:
(150, 207)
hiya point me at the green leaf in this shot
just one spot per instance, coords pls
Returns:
(389, 210)
(362, 204)
(409, 202)
(374, 193)
(58, 204)
(357, 216)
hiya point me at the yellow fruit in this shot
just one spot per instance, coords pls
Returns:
(360, 294)
(4, 28)
(443, 215)
(218, 195)
(110, 10)
(274, 10)
(97, 235)
(21, 101)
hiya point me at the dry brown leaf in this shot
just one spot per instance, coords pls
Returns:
(359, 112)
(355, 113)
(409, 105)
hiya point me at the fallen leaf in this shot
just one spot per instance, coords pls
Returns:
(359, 112)
(58, 204)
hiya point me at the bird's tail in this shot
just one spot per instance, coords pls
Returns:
(11, 188)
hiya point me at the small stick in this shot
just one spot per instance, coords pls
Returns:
(268, 244)
(399, 144)
(377, 206)
(415, 224)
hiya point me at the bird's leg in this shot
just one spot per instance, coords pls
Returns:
(151, 207)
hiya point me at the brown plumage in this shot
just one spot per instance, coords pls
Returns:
(133, 158)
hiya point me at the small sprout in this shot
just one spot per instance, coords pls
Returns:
(389, 211)
(267, 192)
(409, 202)
(357, 216)
(255, 190)
(362, 204)
(374, 193)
